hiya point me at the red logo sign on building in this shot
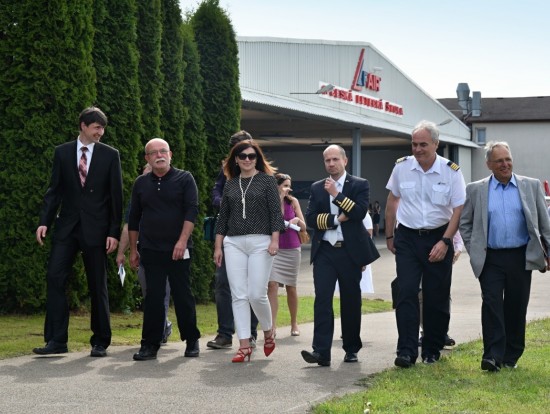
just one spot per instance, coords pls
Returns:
(363, 79)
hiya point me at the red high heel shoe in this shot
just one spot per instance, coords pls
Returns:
(269, 344)
(242, 354)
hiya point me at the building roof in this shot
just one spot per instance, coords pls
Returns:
(533, 108)
(281, 104)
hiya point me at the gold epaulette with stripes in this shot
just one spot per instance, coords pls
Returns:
(346, 204)
(453, 166)
(322, 221)
(401, 159)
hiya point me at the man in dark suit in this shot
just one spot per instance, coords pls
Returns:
(339, 252)
(85, 199)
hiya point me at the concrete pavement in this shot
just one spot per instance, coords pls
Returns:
(282, 383)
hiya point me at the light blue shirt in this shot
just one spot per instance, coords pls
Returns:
(507, 224)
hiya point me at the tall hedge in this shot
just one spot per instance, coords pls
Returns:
(116, 60)
(46, 79)
(149, 32)
(202, 267)
(219, 65)
(172, 67)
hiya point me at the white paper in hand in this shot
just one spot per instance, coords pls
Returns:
(122, 274)
(186, 254)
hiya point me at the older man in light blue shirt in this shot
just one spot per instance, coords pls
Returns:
(506, 228)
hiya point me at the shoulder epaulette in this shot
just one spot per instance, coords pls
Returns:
(401, 159)
(453, 166)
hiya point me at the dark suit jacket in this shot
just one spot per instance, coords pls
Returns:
(97, 205)
(353, 201)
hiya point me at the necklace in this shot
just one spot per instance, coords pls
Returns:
(243, 194)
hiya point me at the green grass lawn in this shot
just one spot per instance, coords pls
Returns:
(19, 334)
(456, 384)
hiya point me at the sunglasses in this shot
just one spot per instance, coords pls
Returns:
(252, 156)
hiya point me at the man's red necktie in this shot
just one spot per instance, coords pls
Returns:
(82, 166)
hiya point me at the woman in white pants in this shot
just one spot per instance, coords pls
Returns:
(248, 226)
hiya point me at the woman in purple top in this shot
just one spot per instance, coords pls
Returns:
(287, 262)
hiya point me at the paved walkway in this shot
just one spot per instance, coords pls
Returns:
(282, 383)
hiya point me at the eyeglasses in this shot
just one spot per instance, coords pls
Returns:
(157, 152)
(252, 156)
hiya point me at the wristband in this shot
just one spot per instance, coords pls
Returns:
(389, 237)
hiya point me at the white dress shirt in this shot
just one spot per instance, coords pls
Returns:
(426, 198)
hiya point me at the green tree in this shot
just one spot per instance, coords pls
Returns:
(171, 103)
(46, 79)
(219, 65)
(118, 95)
(202, 268)
(149, 32)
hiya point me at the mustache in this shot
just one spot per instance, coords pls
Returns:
(160, 160)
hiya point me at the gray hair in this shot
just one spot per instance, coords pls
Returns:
(492, 144)
(431, 127)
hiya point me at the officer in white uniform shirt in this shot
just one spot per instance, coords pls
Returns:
(426, 196)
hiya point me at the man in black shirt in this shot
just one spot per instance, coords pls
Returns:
(162, 216)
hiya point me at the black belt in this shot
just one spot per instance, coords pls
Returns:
(424, 232)
(337, 244)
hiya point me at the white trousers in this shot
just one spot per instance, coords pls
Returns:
(248, 267)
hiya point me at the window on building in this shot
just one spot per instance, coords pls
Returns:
(453, 153)
(481, 136)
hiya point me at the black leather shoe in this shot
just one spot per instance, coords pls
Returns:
(167, 332)
(403, 361)
(449, 342)
(430, 359)
(51, 348)
(351, 357)
(315, 358)
(489, 364)
(145, 353)
(98, 351)
(510, 365)
(192, 349)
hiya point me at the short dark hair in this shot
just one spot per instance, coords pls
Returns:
(238, 137)
(92, 114)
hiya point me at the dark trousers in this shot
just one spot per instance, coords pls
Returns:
(60, 267)
(332, 264)
(414, 270)
(159, 267)
(505, 289)
(224, 307)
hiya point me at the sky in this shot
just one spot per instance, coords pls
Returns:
(499, 47)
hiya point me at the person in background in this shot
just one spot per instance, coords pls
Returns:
(86, 205)
(248, 227)
(123, 246)
(162, 216)
(222, 292)
(426, 195)
(366, 284)
(506, 231)
(337, 206)
(375, 218)
(287, 261)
